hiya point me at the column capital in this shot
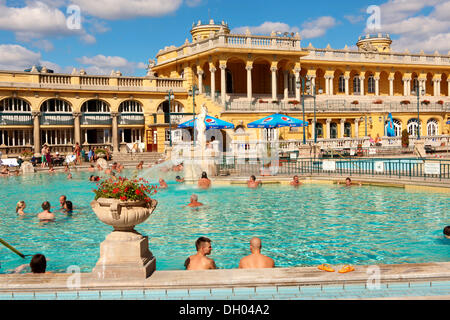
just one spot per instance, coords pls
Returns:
(212, 69)
(391, 78)
(357, 120)
(329, 121)
(76, 114)
(35, 114)
(346, 77)
(274, 69)
(200, 72)
(223, 67)
(249, 67)
(362, 77)
(114, 114)
(343, 121)
(376, 78)
(297, 70)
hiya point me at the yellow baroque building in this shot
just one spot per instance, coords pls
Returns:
(240, 78)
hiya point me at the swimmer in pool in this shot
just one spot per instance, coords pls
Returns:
(204, 182)
(162, 184)
(46, 215)
(447, 232)
(295, 182)
(20, 207)
(200, 261)
(253, 184)
(194, 202)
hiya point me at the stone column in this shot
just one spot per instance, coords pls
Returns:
(361, 79)
(223, 87)
(328, 128)
(438, 89)
(327, 86)
(200, 81)
(448, 84)
(357, 128)
(347, 86)
(331, 86)
(115, 132)
(391, 87)
(36, 131)
(377, 86)
(213, 82)
(274, 83)
(77, 127)
(434, 88)
(405, 87)
(249, 69)
(286, 85)
(342, 128)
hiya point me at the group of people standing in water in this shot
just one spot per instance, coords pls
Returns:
(46, 215)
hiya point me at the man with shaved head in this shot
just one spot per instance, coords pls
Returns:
(256, 260)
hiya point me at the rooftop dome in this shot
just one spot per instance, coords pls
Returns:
(201, 31)
(380, 42)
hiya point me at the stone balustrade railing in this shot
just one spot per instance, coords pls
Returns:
(357, 56)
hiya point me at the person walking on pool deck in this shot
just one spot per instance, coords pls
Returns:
(252, 183)
(204, 182)
(256, 260)
(200, 261)
(194, 202)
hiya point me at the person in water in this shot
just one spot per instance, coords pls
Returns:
(162, 184)
(204, 182)
(69, 176)
(46, 215)
(179, 179)
(20, 207)
(140, 166)
(68, 207)
(200, 261)
(256, 260)
(38, 264)
(295, 182)
(349, 183)
(252, 183)
(62, 201)
(447, 232)
(194, 202)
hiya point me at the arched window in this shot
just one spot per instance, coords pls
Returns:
(397, 127)
(415, 85)
(130, 106)
(412, 127)
(356, 85)
(239, 131)
(56, 106)
(371, 84)
(14, 105)
(432, 128)
(95, 106)
(341, 84)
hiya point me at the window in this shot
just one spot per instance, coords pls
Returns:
(319, 130)
(412, 127)
(432, 128)
(14, 104)
(56, 105)
(341, 84)
(130, 106)
(371, 84)
(347, 130)
(333, 130)
(415, 86)
(397, 127)
(356, 85)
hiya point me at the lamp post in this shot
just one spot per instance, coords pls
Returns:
(302, 84)
(417, 92)
(193, 92)
(170, 96)
(313, 89)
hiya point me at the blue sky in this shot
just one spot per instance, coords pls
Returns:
(123, 35)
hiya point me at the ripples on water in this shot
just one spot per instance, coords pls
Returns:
(307, 226)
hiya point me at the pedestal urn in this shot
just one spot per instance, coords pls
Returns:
(125, 252)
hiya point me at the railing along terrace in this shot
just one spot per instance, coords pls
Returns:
(15, 118)
(131, 82)
(355, 56)
(383, 167)
(56, 119)
(333, 106)
(96, 119)
(131, 119)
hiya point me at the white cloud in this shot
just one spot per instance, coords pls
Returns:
(318, 27)
(417, 31)
(119, 9)
(193, 3)
(103, 65)
(18, 58)
(354, 19)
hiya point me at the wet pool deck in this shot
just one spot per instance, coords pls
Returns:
(405, 281)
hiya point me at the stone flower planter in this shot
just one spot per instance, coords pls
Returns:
(124, 254)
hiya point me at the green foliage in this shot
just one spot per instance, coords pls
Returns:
(125, 189)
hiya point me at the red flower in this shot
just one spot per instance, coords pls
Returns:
(123, 198)
(138, 192)
(116, 190)
(105, 191)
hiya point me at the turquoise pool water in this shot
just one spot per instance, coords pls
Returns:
(307, 226)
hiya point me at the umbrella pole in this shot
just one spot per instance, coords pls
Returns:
(10, 247)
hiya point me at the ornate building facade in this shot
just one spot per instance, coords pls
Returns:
(240, 78)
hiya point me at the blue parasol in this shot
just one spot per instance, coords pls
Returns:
(210, 122)
(390, 131)
(277, 121)
(448, 122)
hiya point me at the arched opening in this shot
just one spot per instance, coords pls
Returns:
(333, 130)
(131, 116)
(432, 127)
(319, 130)
(444, 85)
(397, 127)
(370, 83)
(413, 126)
(429, 85)
(261, 77)
(398, 84)
(15, 105)
(15, 112)
(339, 82)
(347, 130)
(320, 79)
(96, 122)
(384, 83)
